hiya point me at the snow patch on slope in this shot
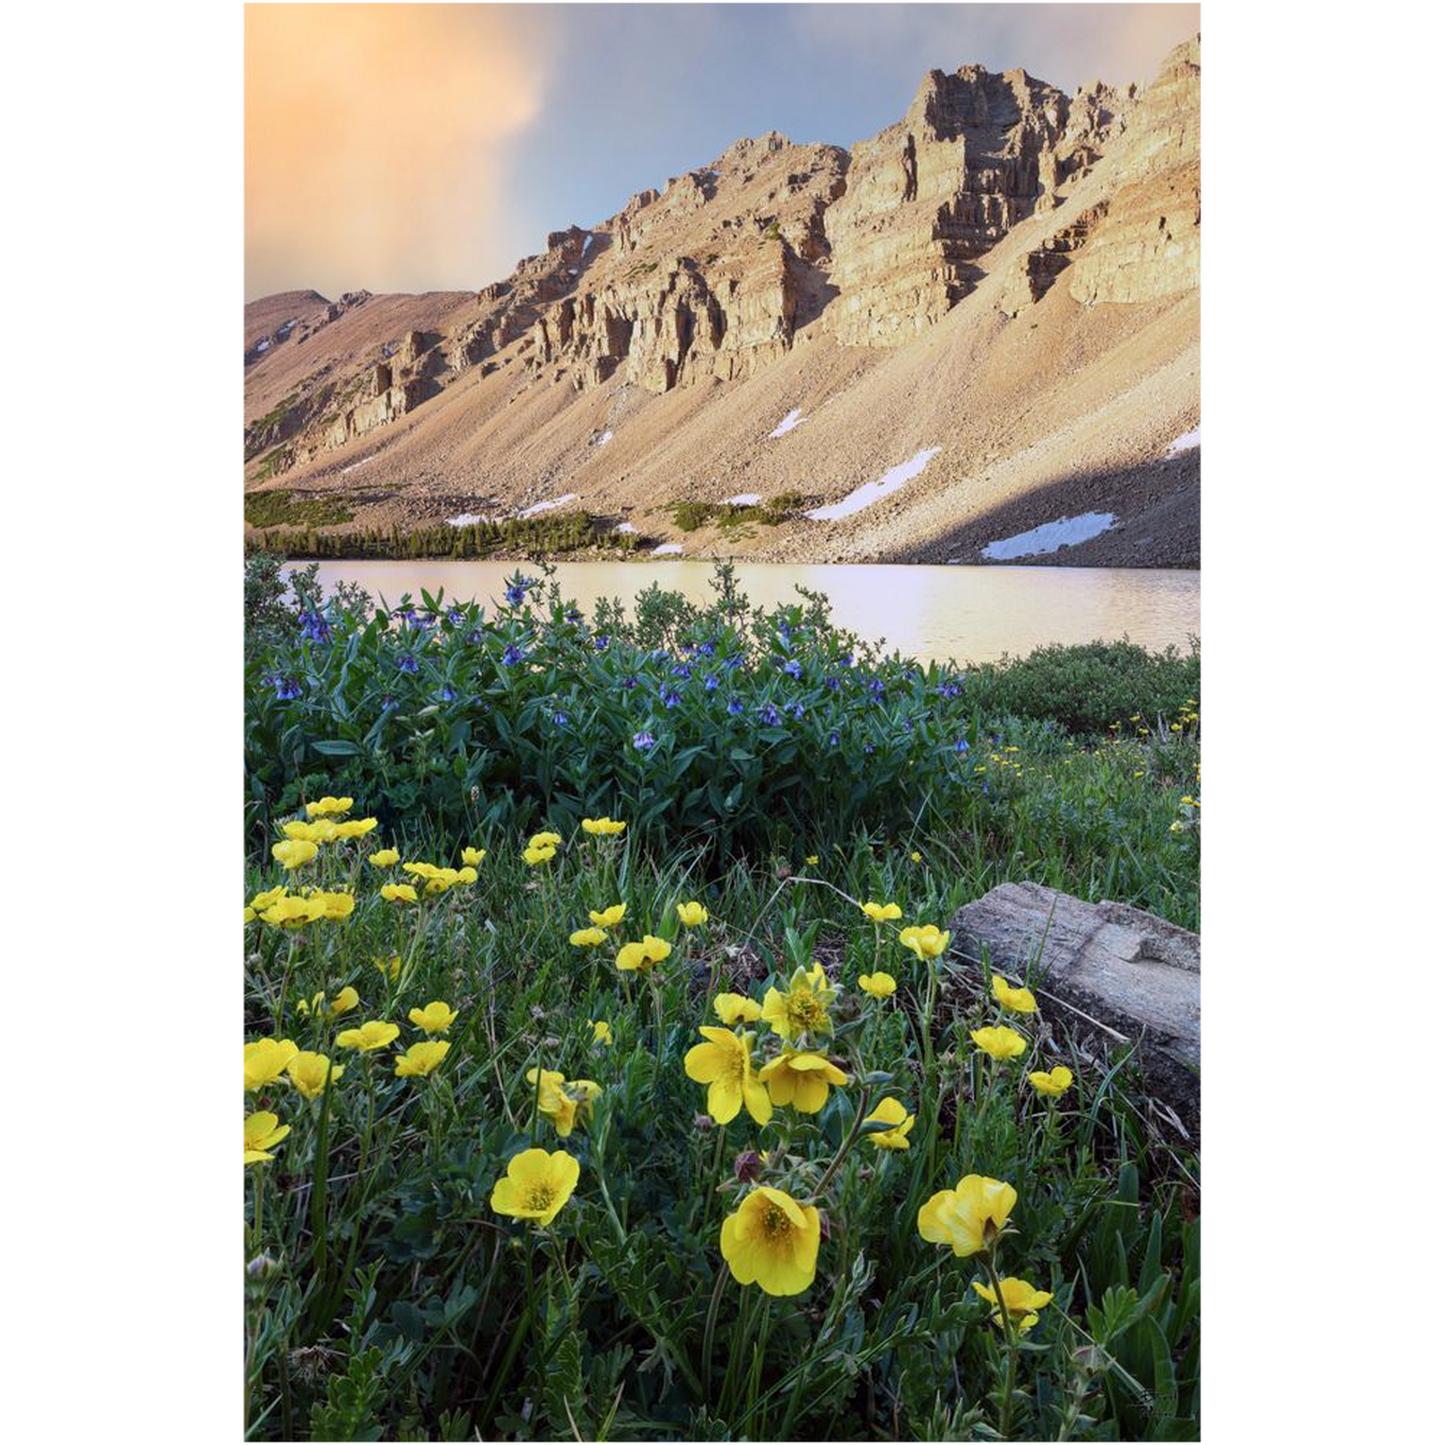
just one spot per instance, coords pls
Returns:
(871, 492)
(1184, 443)
(547, 506)
(792, 419)
(1065, 532)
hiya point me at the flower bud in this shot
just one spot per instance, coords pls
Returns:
(747, 1166)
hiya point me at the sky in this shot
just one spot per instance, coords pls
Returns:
(430, 147)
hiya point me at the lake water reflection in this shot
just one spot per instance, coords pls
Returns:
(968, 614)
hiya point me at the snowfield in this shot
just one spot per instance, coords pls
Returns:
(788, 423)
(1184, 443)
(745, 499)
(547, 506)
(667, 549)
(1050, 537)
(871, 492)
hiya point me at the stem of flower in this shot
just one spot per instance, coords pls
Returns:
(864, 1099)
(1006, 1399)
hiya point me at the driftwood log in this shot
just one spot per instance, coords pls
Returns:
(1122, 973)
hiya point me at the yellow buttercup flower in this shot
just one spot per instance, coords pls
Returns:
(295, 912)
(389, 968)
(420, 1059)
(294, 852)
(307, 1006)
(321, 831)
(691, 914)
(398, 892)
(608, 917)
(266, 1060)
(564, 1103)
(308, 1073)
(725, 1064)
(927, 942)
(263, 1132)
(334, 905)
(374, 1034)
(435, 1018)
(890, 1111)
(272, 896)
(801, 1080)
(1056, 1081)
(472, 856)
(803, 1010)
(878, 985)
(536, 1185)
(345, 1001)
(466, 874)
(604, 826)
(971, 1217)
(644, 955)
(772, 1241)
(811, 860)
(328, 805)
(386, 858)
(1020, 1299)
(355, 828)
(534, 855)
(1001, 1042)
(587, 938)
(601, 1031)
(1019, 1000)
(544, 840)
(915, 857)
(734, 1008)
(882, 912)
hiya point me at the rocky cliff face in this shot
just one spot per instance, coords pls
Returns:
(1089, 201)
(1148, 246)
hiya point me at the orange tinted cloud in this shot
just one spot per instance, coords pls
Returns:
(376, 143)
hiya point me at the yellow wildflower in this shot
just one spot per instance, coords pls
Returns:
(725, 1064)
(386, 858)
(389, 968)
(915, 857)
(263, 1134)
(971, 1217)
(642, 956)
(890, 1111)
(811, 860)
(294, 912)
(601, 1031)
(1020, 1299)
(606, 826)
(734, 1008)
(327, 805)
(308, 1072)
(803, 1010)
(535, 854)
(266, 1060)
(321, 831)
(586, 938)
(878, 985)
(564, 1103)
(472, 856)
(334, 905)
(608, 917)
(1018, 1000)
(398, 892)
(536, 1185)
(1000, 1042)
(420, 1059)
(772, 1241)
(926, 942)
(1056, 1081)
(691, 914)
(355, 828)
(374, 1034)
(294, 852)
(435, 1018)
(345, 1001)
(544, 840)
(882, 912)
(801, 1080)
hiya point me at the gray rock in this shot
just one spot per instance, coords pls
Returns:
(1121, 973)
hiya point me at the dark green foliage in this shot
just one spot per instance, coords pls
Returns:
(283, 508)
(550, 536)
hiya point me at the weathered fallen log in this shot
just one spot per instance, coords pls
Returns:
(1121, 972)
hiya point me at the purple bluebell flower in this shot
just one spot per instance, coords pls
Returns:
(287, 688)
(456, 616)
(559, 719)
(709, 649)
(682, 670)
(833, 740)
(831, 683)
(710, 682)
(474, 636)
(770, 715)
(669, 695)
(406, 663)
(961, 746)
(516, 593)
(869, 748)
(449, 693)
(315, 626)
(643, 741)
(793, 667)
(796, 709)
(512, 654)
(734, 706)
(600, 642)
(629, 682)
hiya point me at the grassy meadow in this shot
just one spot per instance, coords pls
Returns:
(608, 1073)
